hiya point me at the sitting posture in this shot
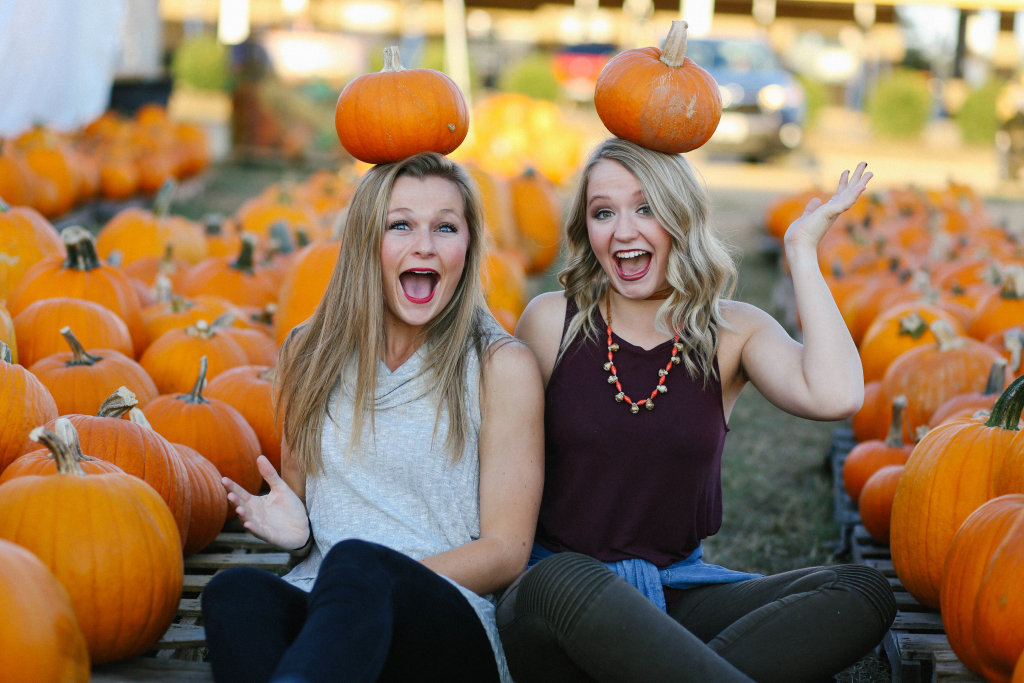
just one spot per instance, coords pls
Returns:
(413, 438)
(643, 360)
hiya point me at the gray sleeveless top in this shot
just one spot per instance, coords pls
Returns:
(399, 488)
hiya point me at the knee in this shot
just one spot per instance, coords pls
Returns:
(556, 588)
(233, 587)
(873, 590)
(356, 562)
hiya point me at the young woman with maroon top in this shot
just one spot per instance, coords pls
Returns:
(643, 359)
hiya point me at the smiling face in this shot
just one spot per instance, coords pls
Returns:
(423, 251)
(627, 239)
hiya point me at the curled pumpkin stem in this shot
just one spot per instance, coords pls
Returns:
(62, 453)
(894, 439)
(674, 51)
(81, 249)
(996, 378)
(118, 404)
(196, 395)
(226, 319)
(943, 331)
(392, 60)
(138, 417)
(79, 356)
(1006, 412)
(246, 260)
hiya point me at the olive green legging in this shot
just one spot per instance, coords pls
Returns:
(569, 619)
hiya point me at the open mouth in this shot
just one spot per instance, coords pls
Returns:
(419, 285)
(633, 264)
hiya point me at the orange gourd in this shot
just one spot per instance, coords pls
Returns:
(27, 404)
(398, 112)
(875, 501)
(109, 539)
(222, 237)
(172, 311)
(209, 500)
(249, 389)
(1018, 671)
(38, 328)
(258, 346)
(896, 331)
(868, 422)
(999, 612)
(25, 239)
(659, 99)
(148, 268)
(1003, 309)
(42, 642)
(868, 457)
(168, 358)
(965, 569)
(136, 232)
(968, 404)
(538, 218)
(304, 287)
(496, 203)
(278, 206)
(949, 475)
(81, 380)
(1010, 344)
(239, 280)
(212, 427)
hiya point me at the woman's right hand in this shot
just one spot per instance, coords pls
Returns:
(279, 517)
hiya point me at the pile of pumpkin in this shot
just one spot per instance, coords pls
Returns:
(933, 293)
(112, 157)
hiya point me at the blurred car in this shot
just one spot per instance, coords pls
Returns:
(762, 103)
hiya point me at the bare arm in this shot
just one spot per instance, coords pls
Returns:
(821, 379)
(511, 474)
(540, 328)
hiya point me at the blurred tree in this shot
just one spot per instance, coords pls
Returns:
(816, 96)
(977, 117)
(531, 76)
(202, 62)
(900, 105)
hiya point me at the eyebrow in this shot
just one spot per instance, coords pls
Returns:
(601, 196)
(402, 209)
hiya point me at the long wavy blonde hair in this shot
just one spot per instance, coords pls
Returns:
(700, 271)
(348, 327)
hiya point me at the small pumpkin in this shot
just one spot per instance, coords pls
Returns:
(399, 112)
(42, 642)
(221, 235)
(27, 404)
(538, 219)
(1003, 309)
(213, 428)
(896, 331)
(965, 405)
(148, 268)
(166, 358)
(304, 287)
(81, 380)
(868, 457)
(172, 311)
(259, 347)
(875, 501)
(1009, 343)
(659, 99)
(136, 232)
(249, 389)
(870, 421)
(125, 596)
(25, 239)
(240, 280)
(38, 328)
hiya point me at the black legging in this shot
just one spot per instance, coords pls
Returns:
(569, 619)
(373, 615)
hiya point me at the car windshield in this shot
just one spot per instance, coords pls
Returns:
(733, 55)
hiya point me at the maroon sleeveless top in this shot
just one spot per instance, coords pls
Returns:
(618, 485)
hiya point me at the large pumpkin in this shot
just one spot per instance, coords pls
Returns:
(538, 219)
(83, 276)
(398, 112)
(239, 280)
(212, 427)
(659, 99)
(999, 611)
(898, 330)
(25, 239)
(965, 570)
(249, 389)
(38, 328)
(949, 475)
(41, 641)
(110, 540)
(171, 359)
(304, 287)
(27, 404)
(966, 405)
(81, 380)
(868, 457)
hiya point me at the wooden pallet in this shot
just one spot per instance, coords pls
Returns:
(177, 657)
(846, 514)
(916, 644)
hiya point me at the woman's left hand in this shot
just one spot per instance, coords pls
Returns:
(807, 231)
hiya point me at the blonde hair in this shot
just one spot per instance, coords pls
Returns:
(700, 269)
(348, 327)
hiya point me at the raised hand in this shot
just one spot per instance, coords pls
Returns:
(279, 517)
(817, 218)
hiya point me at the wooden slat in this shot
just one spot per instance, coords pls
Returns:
(194, 583)
(275, 562)
(884, 566)
(921, 645)
(180, 636)
(946, 668)
(905, 602)
(189, 607)
(149, 670)
(245, 540)
(928, 622)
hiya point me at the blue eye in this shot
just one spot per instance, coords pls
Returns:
(447, 227)
(399, 225)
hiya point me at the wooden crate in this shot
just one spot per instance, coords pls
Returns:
(177, 656)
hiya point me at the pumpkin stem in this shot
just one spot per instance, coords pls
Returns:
(61, 451)
(673, 52)
(282, 238)
(201, 329)
(179, 304)
(117, 404)
(163, 288)
(392, 60)
(894, 439)
(1013, 283)
(162, 203)
(5, 354)
(1013, 341)
(913, 325)
(943, 331)
(79, 356)
(996, 378)
(138, 417)
(266, 316)
(81, 249)
(1006, 412)
(225, 319)
(212, 225)
(246, 256)
(196, 395)
(301, 238)
(4, 206)
(268, 375)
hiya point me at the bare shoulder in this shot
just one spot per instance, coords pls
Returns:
(507, 358)
(743, 319)
(540, 328)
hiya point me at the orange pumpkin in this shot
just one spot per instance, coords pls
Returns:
(136, 232)
(15, 177)
(119, 176)
(875, 501)
(968, 404)
(38, 328)
(42, 463)
(496, 203)
(249, 389)
(868, 457)
(259, 348)
(659, 99)
(7, 332)
(42, 642)
(898, 330)
(168, 357)
(148, 268)
(930, 375)
(172, 311)
(55, 164)
(965, 570)
(83, 276)
(1018, 672)
(279, 206)
(81, 380)
(240, 280)
(868, 422)
(125, 596)
(304, 287)
(209, 500)
(25, 239)
(398, 112)
(212, 427)
(538, 219)
(949, 475)
(1009, 343)
(999, 611)
(26, 402)
(221, 236)
(1003, 309)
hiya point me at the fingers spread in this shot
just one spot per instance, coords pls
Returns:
(812, 205)
(234, 488)
(269, 473)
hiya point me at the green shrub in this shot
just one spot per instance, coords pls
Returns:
(202, 62)
(977, 117)
(815, 97)
(531, 76)
(900, 105)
